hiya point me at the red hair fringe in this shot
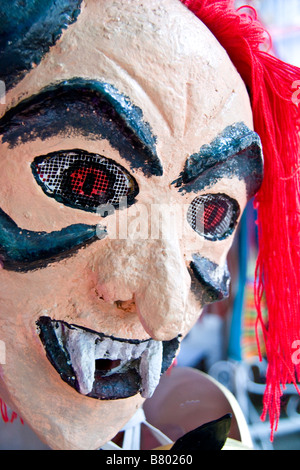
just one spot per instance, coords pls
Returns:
(4, 413)
(271, 86)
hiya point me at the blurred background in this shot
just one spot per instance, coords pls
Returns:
(223, 342)
(282, 18)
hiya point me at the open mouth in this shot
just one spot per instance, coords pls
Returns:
(105, 367)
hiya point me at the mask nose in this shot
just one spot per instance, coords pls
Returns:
(154, 275)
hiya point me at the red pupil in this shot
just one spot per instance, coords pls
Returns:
(211, 216)
(89, 182)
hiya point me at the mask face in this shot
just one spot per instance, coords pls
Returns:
(127, 158)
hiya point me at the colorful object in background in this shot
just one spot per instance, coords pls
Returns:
(252, 334)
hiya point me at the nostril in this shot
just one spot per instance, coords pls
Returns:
(126, 305)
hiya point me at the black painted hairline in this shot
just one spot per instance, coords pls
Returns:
(27, 32)
(130, 114)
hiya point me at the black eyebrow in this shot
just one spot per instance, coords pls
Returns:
(237, 151)
(91, 108)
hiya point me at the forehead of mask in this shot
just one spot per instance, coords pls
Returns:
(171, 67)
(168, 70)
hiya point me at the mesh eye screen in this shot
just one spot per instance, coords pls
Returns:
(213, 216)
(89, 182)
(83, 180)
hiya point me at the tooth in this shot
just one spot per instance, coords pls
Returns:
(102, 348)
(114, 349)
(108, 349)
(84, 348)
(138, 349)
(81, 347)
(150, 367)
(59, 331)
(125, 352)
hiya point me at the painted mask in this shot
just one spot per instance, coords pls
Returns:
(127, 158)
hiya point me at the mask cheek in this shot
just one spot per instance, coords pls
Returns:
(213, 278)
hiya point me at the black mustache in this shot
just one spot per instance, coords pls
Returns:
(25, 250)
(214, 279)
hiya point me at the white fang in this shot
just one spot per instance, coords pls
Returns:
(85, 348)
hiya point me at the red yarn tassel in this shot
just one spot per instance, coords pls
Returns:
(3, 409)
(4, 413)
(271, 85)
